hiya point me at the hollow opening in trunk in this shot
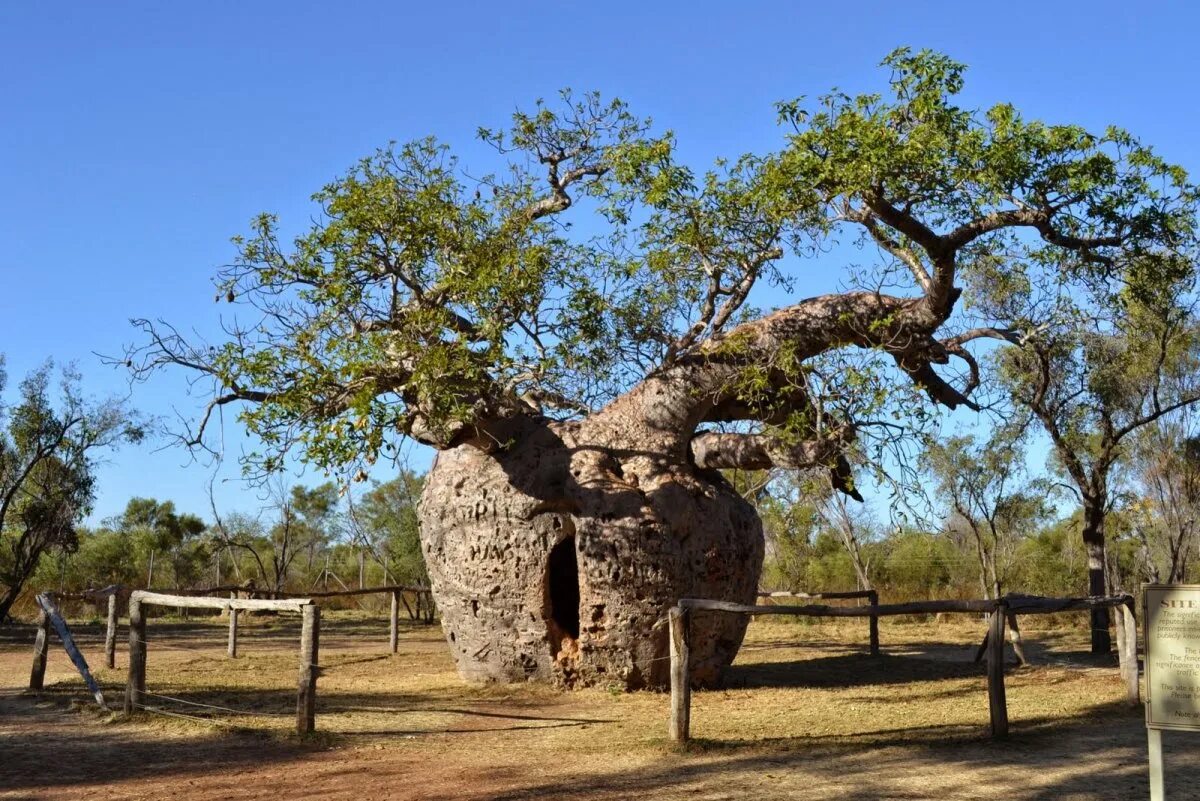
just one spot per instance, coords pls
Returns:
(562, 583)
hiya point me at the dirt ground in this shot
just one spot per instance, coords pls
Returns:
(806, 713)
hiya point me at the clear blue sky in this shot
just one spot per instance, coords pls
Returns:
(136, 138)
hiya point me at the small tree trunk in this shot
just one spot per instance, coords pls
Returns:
(1093, 541)
(7, 599)
(1014, 638)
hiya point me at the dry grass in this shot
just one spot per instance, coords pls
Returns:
(806, 713)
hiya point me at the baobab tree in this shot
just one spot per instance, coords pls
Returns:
(583, 385)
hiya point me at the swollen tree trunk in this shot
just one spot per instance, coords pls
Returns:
(558, 558)
(1093, 542)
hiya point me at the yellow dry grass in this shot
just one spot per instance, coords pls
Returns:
(806, 713)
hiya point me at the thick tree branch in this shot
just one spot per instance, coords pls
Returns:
(717, 451)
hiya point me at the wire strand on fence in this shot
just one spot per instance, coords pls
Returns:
(159, 644)
(160, 711)
(215, 706)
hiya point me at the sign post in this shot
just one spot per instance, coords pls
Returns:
(1172, 613)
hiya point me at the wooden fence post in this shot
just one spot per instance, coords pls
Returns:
(873, 599)
(306, 697)
(110, 634)
(233, 633)
(680, 624)
(394, 633)
(135, 688)
(997, 703)
(1127, 651)
(41, 647)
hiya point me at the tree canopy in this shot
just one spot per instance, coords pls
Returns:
(428, 302)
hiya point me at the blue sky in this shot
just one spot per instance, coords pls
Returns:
(136, 138)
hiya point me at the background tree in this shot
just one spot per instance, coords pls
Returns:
(317, 510)
(790, 523)
(1095, 375)
(48, 449)
(386, 525)
(852, 525)
(984, 491)
(580, 381)
(161, 540)
(1164, 465)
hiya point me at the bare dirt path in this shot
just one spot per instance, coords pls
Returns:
(814, 721)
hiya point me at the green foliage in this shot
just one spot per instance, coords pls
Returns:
(919, 565)
(950, 165)
(984, 491)
(306, 537)
(389, 527)
(48, 448)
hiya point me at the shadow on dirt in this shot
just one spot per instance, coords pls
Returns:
(1110, 742)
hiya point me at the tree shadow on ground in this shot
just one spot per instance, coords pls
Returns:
(232, 706)
(117, 752)
(847, 670)
(67, 753)
(1100, 757)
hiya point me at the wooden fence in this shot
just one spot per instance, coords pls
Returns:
(50, 617)
(422, 608)
(306, 693)
(871, 597)
(395, 591)
(680, 617)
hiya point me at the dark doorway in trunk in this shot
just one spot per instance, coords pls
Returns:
(562, 581)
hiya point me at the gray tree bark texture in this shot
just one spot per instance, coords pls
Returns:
(606, 529)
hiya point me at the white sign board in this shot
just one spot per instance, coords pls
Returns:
(1172, 656)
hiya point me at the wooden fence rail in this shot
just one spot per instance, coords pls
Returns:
(135, 688)
(397, 597)
(870, 596)
(423, 595)
(424, 607)
(680, 616)
(51, 617)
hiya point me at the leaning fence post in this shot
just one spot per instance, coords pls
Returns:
(135, 688)
(997, 703)
(679, 620)
(306, 697)
(873, 599)
(394, 633)
(41, 646)
(110, 634)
